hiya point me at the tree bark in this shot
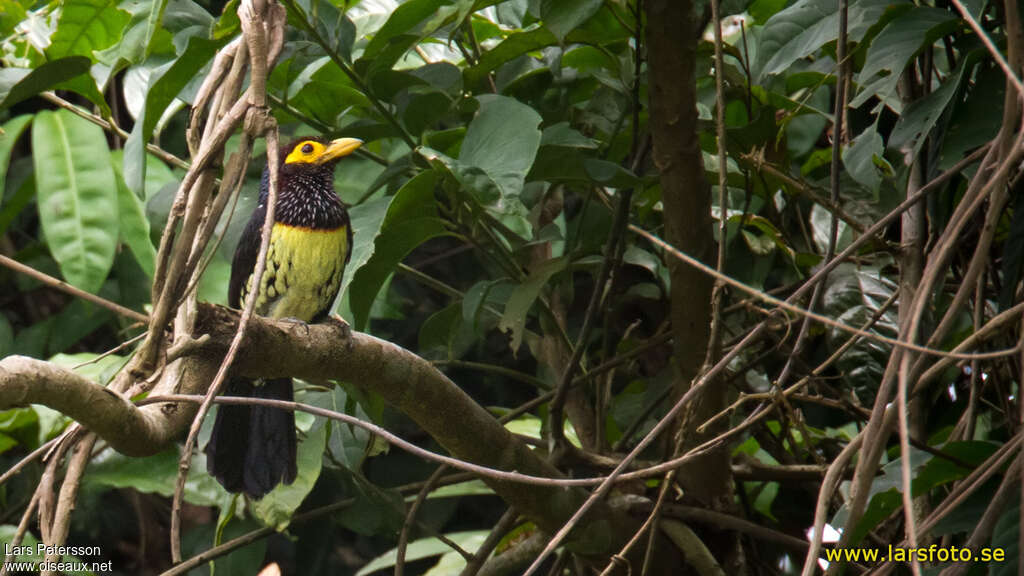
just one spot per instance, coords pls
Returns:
(672, 34)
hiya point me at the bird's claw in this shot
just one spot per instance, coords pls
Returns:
(298, 322)
(338, 321)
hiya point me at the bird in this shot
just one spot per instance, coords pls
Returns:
(252, 449)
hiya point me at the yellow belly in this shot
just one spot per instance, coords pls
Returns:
(304, 269)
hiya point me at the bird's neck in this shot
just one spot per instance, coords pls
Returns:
(310, 202)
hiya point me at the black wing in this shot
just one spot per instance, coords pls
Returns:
(248, 248)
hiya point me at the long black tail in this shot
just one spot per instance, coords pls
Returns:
(252, 448)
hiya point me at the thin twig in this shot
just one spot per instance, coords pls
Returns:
(786, 305)
(410, 518)
(71, 290)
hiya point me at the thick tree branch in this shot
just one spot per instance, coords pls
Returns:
(129, 430)
(277, 349)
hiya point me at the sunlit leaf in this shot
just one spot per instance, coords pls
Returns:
(86, 25)
(77, 194)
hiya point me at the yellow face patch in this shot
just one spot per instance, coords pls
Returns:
(313, 152)
(305, 152)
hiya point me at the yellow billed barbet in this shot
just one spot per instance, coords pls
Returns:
(252, 448)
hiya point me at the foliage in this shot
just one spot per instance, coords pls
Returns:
(499, 135)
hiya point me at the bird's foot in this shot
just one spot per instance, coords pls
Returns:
(297, 322)
(338, 321)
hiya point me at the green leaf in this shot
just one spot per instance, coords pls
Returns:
(155, 474)
(853, 296)
(425, 548)
(17, 84)
(77, 196)
(411, 220)
(277, 507)
(502, 140)
(323, 91)
(163, 88)
(467, 488)
(561, 16)
(806, 26)
(347, 444)
(513, 46)
(409, 22)
(565, 136)
(920, 117)
(228, 24)
(90, 365)
(523, 297)
(136, 42)
(895, 46)
(134, 225)
(11, 14)
(975, 120)
(366, 220)
(11, 130)
(609, 173)
(85, 85)
(859, 158)
(86, 25)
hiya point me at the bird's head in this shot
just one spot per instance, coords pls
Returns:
(316, 155)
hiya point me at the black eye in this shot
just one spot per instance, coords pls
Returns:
(307, 148)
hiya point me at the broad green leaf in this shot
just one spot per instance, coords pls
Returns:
(920, 117)
(425, 548)
(859, 158)
(530, 426)
(323, 91)
(806, 26)
(854, 295)
(347, 444)
(17, 84)
(502, 140)
(136, 42)
(975, 120)
(85, 85)
(77, 196)
(134, 225)
(467, 488)
(228, 24)
(91, 366)
(410, 221)
(410, 22)
(366, 220)
(277, 507)
(609, 173)
(11, 130)
(155, 474)
(513, 46)
(507, 209)
(565, 136)
(523, 297)
(375, 510)
(894, 47)
(446, 334)
(11, 14)
(164, 86)
(561, 16)
(86, 25)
